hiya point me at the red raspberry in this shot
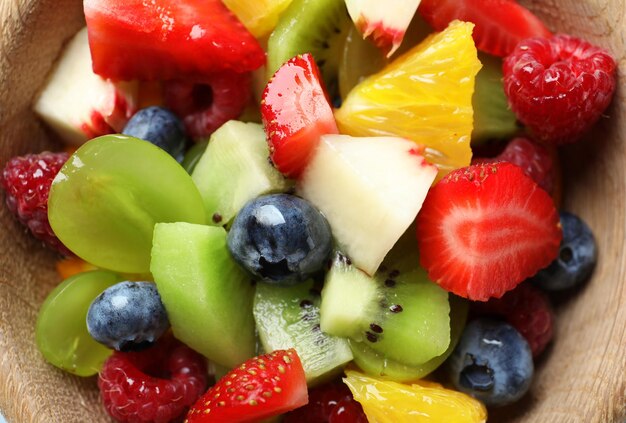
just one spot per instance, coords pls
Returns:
(26, 181)
(559, 86)
(535, 159)
(153, 385)
(331, 403)
(207, 106)
(528, 310)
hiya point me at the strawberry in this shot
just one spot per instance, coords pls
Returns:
(485, 228)
(500, 24)
(262, 387)
(167, 39)
(296, 112)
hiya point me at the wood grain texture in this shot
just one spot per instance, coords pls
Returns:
(582, 378)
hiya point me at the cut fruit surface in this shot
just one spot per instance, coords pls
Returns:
(234, 169)
(289, 317)
(318, 27)
(399, 313)
(493, 119)
(208, 297)
(80, 105)
(295, 114)
(187, 40)
(485, 228)
(260, 16)
(379, 365)
(384, 22)
(108, 196)
(421, 402)
(369, 189)
(500, 24)
(424, 95)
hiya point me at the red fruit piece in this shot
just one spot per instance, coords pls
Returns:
(155, 385)
(206, 106)
(485, 228)
(331, 403)
(262, 387)
(167, 39)
(296, 112)
(559, 87)
(528, 310)
(26, 181)
(500, 24)
(535, 159)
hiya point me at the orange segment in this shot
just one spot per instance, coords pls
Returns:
(73, 266)
(425, 95)
(421, 402)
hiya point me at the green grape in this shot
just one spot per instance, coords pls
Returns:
(192, 156)
(106, 199)
(61, 330)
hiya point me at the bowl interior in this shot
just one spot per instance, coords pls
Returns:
(581, 378)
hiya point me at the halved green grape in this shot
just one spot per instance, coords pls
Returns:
(192, 156)
(106, 199)
(61, 330)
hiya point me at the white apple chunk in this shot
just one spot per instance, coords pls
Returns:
(369, 189)
(80, 105)
(385, 22)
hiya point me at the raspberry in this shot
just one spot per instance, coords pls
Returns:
(528, 310)
(207, 106)
(26, 181)
(154, 385)
(535, 160)
(331, 403)
(559, 86)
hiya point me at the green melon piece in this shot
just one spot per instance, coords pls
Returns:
(289, 317)
(234, 169)
(207, 296)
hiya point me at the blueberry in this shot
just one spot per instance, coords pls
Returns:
(492, 362)
(160, 127)
(577, 257)
(280, 238)
(128, 316)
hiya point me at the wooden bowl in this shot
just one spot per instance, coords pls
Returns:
(580, 379)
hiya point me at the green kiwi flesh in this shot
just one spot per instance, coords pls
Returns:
(378, 365)
(289, 317)
(399, 312)
(318, 27)
(234, 169)
(493, 119)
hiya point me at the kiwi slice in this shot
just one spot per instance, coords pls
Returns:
(379, 365)
(493, 119)
(234, 169)
(289, 317)
(318, 27)
(399, 312)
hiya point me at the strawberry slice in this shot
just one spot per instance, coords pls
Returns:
(262, 387)
(485, 228)
(500, 24)
(167, 39)
(296, 112)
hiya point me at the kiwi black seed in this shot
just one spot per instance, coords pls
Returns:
(318, 27)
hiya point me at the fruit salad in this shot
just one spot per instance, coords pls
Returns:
(298, 210)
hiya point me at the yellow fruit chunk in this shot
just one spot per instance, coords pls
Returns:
(71, 266)
(425, 95)
(259, 16)
(421, 402)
